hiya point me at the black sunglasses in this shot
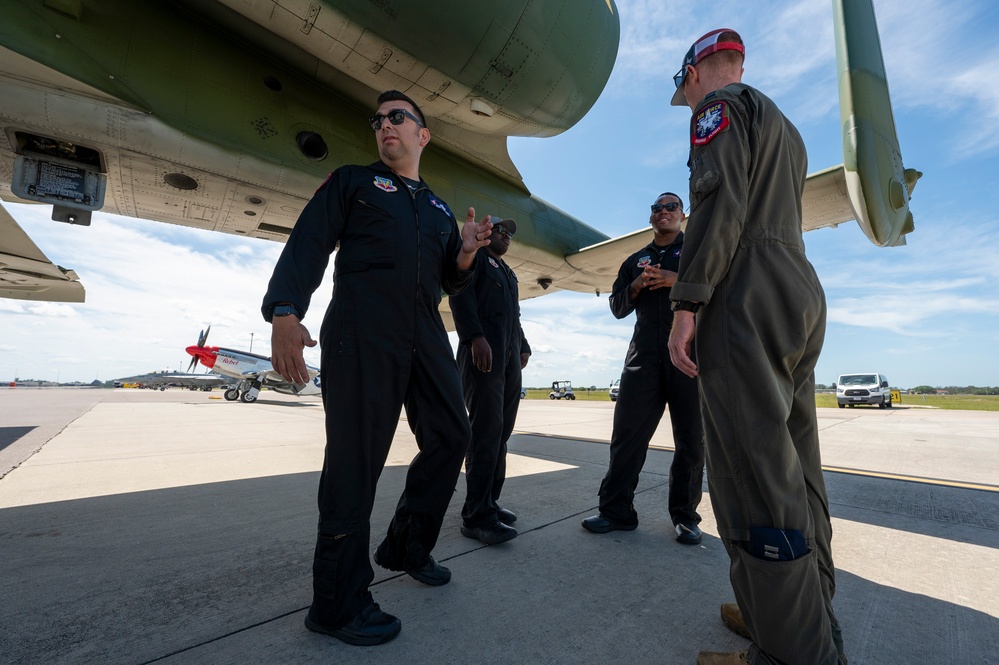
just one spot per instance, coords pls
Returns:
(395, 116)
(679, 76)
(672, 206)
(502, 230)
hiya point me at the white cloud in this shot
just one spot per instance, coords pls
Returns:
(148, 295)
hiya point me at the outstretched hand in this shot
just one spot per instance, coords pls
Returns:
(474, 235)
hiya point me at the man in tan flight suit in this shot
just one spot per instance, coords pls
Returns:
(760, 324)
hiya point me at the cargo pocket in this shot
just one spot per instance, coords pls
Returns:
(783, 606)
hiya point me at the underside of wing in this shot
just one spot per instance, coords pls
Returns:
(597, 265)
(27, 274)
(825, 201)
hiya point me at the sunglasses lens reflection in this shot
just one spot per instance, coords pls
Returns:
(672, 206)
(396, 117)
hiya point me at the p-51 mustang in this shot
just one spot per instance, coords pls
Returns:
(250, 370)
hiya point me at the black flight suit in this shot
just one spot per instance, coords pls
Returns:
(650, 381)
(490, 308)
(759, 335)
(383, 346)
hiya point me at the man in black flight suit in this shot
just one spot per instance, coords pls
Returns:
(650, 381)
(492, 353)
(383, 346)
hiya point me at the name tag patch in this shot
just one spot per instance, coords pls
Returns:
(440, 205)
(709, 123)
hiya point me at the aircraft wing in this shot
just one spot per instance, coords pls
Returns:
(27, 274)
(273, 377)
(598, 264)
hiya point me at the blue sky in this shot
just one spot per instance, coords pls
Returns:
(926, 313)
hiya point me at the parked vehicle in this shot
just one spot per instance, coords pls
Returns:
(614, 389)
(871, 388)
(561, 390)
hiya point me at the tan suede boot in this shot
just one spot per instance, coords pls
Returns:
(731, 616)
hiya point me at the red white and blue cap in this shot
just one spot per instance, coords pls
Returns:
(701, 49)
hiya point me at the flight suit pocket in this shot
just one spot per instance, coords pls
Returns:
(374, 211)
(704, 177)
(340, 325)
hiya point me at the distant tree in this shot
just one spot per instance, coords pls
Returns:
(821, 386)
(923, 390)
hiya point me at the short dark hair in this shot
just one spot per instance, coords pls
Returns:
(396, 96)
(729, 57)
(671, 194)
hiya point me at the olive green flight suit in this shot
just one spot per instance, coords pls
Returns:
(758, 338)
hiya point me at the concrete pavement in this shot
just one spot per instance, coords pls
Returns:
(169, 527)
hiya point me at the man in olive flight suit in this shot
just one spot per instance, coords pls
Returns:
(760, 324)
(492, 352)
(383, 346)
(650, 381)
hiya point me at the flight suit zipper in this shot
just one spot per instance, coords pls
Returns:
(419, 254)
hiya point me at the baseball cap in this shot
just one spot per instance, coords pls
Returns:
(699, 50)
(509, 224)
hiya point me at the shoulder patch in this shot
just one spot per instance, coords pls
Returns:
(440, 205)
(644, 261)
(385, 184)
(709, 123)
(676, 252)
(493, 263)
(328, 178)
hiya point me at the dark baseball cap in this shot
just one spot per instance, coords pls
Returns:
(702, 48)
(508, 224)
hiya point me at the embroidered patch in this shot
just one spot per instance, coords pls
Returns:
(440, 205)
(328, 178)
(676, 252)
(385, 184)
(709, 123)
(644, 261)
(493, 263)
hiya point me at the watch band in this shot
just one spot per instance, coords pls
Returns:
(286, 310)
(685, 305)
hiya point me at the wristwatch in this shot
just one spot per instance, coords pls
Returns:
(685, 305)
(286, 310)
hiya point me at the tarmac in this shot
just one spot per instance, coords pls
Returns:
(174, 527)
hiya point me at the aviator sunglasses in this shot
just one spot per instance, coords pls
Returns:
(395, 116)
(672, 206)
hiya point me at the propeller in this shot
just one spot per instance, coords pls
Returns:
(202, 338)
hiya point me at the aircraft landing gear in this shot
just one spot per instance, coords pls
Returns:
(231, 395)
(250, 395)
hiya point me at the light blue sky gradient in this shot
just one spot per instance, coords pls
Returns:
(926, 313)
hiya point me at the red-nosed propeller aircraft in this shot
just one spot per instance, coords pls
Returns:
(252, 371)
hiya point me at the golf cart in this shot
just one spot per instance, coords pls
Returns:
(561, 390)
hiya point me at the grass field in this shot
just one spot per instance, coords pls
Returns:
(948, 402)
(580, 393)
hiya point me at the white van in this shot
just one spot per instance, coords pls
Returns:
(871, 388)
